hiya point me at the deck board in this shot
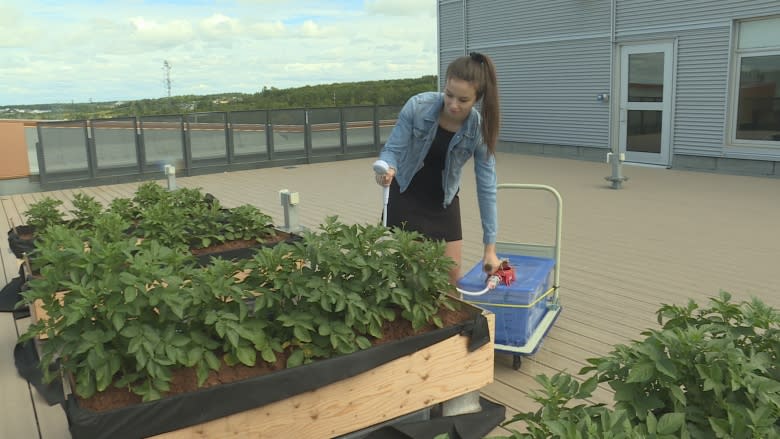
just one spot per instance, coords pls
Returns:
(17, 412)
(667, 237)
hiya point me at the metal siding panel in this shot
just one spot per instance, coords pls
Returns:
(495, 21)
(701, 87)
(548, 92)
(635, 15)
(553, 58)
(451, 34)
(452, 37)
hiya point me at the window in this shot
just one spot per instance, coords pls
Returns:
(757, 83)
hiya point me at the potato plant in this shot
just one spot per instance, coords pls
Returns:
(709, 372)
(127, 313)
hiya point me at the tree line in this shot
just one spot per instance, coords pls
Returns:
(382, 92)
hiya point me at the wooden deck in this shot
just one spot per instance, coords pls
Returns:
(666, 237)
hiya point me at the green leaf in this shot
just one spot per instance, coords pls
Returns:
(363, 342)
(179, 340)
(302, 334)
(130, 294)
(211, 360)
(194, 355)
(232, 336)
(587, 388)
(127, 278)
(85, 384)
(268, 355)
(118, 320)
(678, 395)
(246, 355)
(667, 367)
(295, 359)
(670, 423)
(719, 426)
(202, 374)
(652, 423)
(641, 373)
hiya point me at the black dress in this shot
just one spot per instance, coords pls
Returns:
(420, 207)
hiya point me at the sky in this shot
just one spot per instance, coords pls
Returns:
(115, 50)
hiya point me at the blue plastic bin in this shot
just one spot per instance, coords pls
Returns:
(518, 307)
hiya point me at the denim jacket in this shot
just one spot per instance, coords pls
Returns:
(411, 138)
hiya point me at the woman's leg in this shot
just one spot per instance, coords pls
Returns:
(454, 250)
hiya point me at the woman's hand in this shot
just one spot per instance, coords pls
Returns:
(490, 259)
(386, 178)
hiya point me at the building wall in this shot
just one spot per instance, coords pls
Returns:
(702, 30)
(637, 15)
(554, 56)
(552, 61)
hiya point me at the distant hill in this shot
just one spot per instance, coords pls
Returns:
(385, 92)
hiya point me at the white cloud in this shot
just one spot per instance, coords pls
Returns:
(403, 8)
(115, 50)
(219, 25)
(267, 29)
(161, 34)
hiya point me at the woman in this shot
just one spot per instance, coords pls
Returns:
(435, 135)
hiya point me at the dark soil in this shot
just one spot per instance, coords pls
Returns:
(242, 243)
(185, 380)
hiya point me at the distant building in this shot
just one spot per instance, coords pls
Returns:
(677, 83)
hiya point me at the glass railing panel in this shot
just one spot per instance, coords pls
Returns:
(208, 138)
(115, 142)
(249, 135)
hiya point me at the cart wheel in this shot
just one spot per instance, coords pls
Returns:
(517, 361)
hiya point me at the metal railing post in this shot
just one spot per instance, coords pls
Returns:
(140, 155)
(307, 135)
(343, 131)
(89, 134)
(377, 139)
(187, 146)
(41, 157)
(229, 146)
(269, 135)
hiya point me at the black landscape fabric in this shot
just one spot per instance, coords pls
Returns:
(183, 410)
(10, 296)
(27, 365)
(18, 245)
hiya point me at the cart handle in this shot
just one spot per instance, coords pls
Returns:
(558, 219)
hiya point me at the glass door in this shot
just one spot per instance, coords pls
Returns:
(646, 103)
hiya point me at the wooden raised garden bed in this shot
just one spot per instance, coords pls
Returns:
(425, 377)
(349, 327)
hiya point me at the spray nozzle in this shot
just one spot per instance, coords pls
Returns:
(381, 167)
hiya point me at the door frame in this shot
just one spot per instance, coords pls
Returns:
(621, 106)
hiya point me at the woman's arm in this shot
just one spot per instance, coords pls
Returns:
(399, 137)
(485, 172)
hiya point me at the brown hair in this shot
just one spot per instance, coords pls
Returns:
(480, 70)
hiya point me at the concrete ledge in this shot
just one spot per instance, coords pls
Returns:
(749, 167)
(694, 162)
(587, 153)
(720, 165)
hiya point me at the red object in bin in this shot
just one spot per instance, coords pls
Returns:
(505, 272)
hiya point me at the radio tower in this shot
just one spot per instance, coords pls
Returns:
(167, 78)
